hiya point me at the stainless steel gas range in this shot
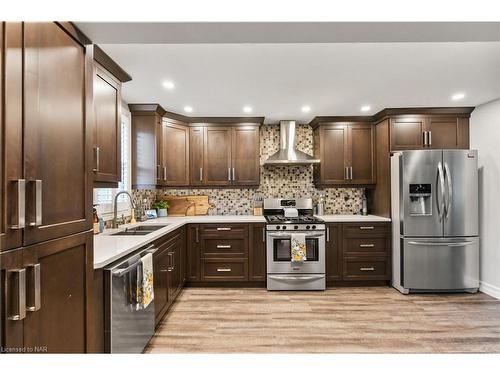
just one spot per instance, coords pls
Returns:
(286, 217)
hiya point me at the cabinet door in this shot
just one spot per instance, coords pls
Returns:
(60, 296)
(407, 133)
(257, 252)
(107, 127)
(245, 156)
(145, 172)
(334, 154)
(12, 307)
(333, 251)
(57, 129)
(193, 253)
(362, 153)
(12, 219)
(160, 169)
(176, 154)
(217, 156)
(160, 270)
(448, 132)
(196, 144)
(2, 129)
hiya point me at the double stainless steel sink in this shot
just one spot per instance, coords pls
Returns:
(140, 230)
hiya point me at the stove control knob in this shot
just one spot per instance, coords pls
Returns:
(314, 227)
(278, 227)
(296, 227)
(284, 226)
(308, 227)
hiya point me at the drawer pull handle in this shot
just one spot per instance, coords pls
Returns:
(367, 228)
(223, 228)
(223, 246)
(367, 269)
(223, 269)
(366, 245)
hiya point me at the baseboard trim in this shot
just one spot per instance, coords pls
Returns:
(489, 289)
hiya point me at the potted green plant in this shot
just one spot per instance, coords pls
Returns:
(160, 207)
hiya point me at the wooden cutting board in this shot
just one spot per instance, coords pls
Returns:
(193, 205)
(178, 206)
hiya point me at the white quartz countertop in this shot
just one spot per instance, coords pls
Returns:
(352, 218)
(108, 249)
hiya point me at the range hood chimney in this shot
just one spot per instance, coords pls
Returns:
(288, 154)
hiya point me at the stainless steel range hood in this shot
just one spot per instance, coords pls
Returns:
(288, 154)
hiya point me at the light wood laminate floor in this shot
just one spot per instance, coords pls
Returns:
(340, 320)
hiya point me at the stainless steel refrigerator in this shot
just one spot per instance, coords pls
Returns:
(435, 245)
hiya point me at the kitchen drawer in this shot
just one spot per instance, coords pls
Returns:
(224, 230)
(224, 248)
(354, 230)
(366, 268)
(224, 269)
(366, 246)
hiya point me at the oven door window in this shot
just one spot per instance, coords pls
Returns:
(282, 250)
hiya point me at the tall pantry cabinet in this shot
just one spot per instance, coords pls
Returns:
(46, 257)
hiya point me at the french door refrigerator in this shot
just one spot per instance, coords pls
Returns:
(434, 198)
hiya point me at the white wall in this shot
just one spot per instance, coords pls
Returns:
(485, 137)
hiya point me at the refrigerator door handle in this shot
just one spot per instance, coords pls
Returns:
(447, 173)
(447, 244)
(440, 202)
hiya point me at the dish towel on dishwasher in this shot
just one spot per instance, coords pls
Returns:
(145, 292)
(298, 245)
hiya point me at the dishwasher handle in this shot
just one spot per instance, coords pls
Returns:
(119, 272)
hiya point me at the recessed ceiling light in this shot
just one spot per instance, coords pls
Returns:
(247, 109)
(458, 96)
(306, 108)
(188, 109)
(169, 85)
(365, 108)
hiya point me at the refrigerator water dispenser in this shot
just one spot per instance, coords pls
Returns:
(420, 200)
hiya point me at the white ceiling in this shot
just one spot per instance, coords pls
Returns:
(333, 79)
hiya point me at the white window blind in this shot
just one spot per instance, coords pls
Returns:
(104, 197)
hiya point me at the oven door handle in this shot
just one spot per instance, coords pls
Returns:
(288, 235)
(296, 278)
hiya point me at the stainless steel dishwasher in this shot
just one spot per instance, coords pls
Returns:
(127, 327)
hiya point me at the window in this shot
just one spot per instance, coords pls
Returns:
(104, 197)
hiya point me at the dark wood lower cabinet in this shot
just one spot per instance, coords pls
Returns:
(193, 253)
(59, 305)
(257, 253)
(333, 250)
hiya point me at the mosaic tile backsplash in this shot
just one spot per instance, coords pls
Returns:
(275, 181)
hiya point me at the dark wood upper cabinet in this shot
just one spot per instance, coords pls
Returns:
(175, 149)
(217, 156)
(245, 155)
(107, 127)
(346, 151)
(257, 253)
(196, 142)
(412, 132)
(2, 179)
(333, 252)
(57, 133)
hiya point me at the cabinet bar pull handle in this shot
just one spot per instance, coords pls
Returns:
(97, 151)
(165, 172)
(201, 174)
(367, 269)
(34, 290)
(366, 245)
(424, 138)
(20, 314)
(223, 228)
(263, 234)
(38, 204)
(197, 234)
(327, 234)
(223, 246)
(234, 178)
(229, 174)
(223, 269)
(350, 169)
(367, 228)
(158, 172)
(21, 205)
(429, 138)
(346, 174)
